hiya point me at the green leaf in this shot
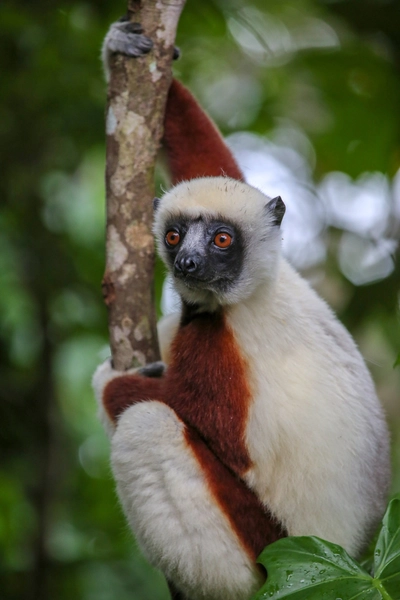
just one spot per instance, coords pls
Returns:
(397, 362)
(387, 550)
(308, 568)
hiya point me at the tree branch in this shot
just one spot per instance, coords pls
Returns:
(135, 113)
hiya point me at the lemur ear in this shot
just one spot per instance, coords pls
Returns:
(156, 202)
(277, 208)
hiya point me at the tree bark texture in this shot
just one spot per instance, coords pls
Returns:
(134, 125)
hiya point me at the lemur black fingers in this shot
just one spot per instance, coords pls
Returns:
(126, 38)
(124, 24)
(155, 369)
(132, 45)
(133, 27)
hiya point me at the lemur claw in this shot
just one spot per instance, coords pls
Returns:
(155, 369)
(126, 38)
(132, 27)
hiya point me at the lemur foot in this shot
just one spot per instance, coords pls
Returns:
(135, 29)
(127, 38)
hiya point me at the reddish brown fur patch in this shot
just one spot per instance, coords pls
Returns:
(253, 525)
(124, 391)
(206, 385)
(193, 144)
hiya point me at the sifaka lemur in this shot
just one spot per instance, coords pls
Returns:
(262, 421)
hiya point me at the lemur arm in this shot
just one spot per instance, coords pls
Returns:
(115, 390)
(193, 145)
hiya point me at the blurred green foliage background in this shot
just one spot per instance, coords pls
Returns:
(317, 85)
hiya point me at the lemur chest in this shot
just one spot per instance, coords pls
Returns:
(207, 386)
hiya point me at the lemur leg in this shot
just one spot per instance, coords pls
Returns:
(178, 522)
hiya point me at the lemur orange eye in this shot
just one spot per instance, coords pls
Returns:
(223, 239)
(172, 238)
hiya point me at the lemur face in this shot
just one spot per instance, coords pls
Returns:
(204, 253)
(219, 238)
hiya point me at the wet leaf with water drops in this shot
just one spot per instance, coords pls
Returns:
(318, 570)
(308, 568)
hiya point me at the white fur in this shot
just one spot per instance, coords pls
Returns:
(316, 433)
(177, 524)
(103, 375)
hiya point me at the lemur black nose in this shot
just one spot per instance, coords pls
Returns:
(186, 264)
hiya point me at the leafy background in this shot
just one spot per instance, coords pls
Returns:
(314, 88)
